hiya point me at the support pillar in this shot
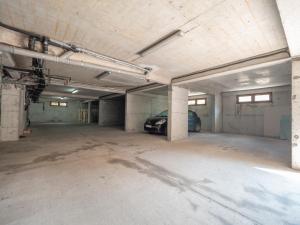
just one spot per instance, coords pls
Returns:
(137, 110)
(295, 114)
(89, 113)
(217, 113)
(177, 113)
(290, 17)
(12, 112)
(101, 120)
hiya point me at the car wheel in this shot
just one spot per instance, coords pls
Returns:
(197, 128)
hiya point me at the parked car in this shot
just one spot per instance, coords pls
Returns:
(159, 123)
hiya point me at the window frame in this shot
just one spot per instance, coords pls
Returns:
(238, 102)
(196, 100)
(54, 105)
(205, 100)
(253, 98)
(63, 105)
(58, 104)
(192, 100)
(265, 93)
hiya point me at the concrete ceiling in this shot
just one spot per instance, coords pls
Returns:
(271, 76)
(215, 31)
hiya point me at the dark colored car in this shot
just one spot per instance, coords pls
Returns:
(159, 123)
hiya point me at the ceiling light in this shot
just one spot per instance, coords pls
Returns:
(103, 75)
(161, 42)
(74, 91)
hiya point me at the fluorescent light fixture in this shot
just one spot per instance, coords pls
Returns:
(161, 42)
(103, 75)
(196, 93)
(74, 91)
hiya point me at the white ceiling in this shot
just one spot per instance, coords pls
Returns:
(271, 76)
(216, 31)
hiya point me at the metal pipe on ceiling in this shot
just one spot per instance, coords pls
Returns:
(114, 60)
(103, 75)
(24, 52)
(161, 42)
(74, 48)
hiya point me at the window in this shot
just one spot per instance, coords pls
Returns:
(255, 98)
(198, 101)
(54, 103)
(63, 104)
(192, 102)
(262, 97)
(201, 101)
(244, 98)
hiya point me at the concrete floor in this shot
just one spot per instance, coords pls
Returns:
(91, 175)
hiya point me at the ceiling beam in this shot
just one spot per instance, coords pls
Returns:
(147, 87)
(110, 96)
(260, 61)
(74, 84)
(60, 94)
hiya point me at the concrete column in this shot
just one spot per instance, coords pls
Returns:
(12, 112)
(217, 113)
(89, 113)
(177, 113)
(22, 112)
(101, 119)
(137, 110)
(290, 17)
(295, 114)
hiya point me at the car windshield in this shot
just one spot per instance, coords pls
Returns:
(163, 114)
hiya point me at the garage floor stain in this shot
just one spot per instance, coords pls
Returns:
(93, 175)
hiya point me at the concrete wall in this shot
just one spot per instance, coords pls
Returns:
(262, 119)
(205, 112)
(44, 113)
(141, 106)
(112, 112)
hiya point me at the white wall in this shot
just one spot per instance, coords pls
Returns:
(141, 106)
(262, 119)
(205, 112)
(44, 113)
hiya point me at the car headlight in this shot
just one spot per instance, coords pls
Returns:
(160, 122)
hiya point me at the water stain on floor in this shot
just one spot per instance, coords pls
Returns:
(51, 157)
(183, 184)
